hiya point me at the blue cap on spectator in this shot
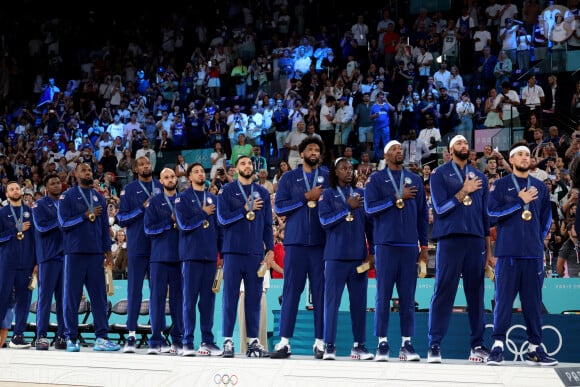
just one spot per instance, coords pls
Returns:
(343, 98)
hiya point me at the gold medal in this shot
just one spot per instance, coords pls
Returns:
(400, 203)
(527, 215)
(467, 200)
(20, 235)
(250, 215)
(92, 217)
(349, 217)
(205, 224)
(311, 204)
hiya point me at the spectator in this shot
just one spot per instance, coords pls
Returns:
(120, 259)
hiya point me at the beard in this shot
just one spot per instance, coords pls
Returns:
(461, 156)
(85, 181)
(521, 169)
(246, 175)
(170, 187)
(146, 174)
(15, 197)
(312, 163)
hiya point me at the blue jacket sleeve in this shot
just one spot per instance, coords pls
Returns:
(377, 199)
(69, 213)
(230, 208)
(443, 200)
(288, 198)
(500, 205)
(155, 222)
(330, 210)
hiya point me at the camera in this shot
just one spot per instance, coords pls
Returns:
(221, 171)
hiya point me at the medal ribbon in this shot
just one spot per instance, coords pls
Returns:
(398, 190)
(18, 220)
(169, 203)
(342, 195)
(527, 205)
(149, 193)
(200, 204)
(88, 202)
(458, 172)
(306, 182)
(251, 200)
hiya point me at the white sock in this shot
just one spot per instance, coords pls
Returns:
(319, 343)
(131, 333)
(251, 340)
(404, 340)
(498, 343)
(355, 344)
(532, 348)
(284, 341)
(228, 338)
(382, 340)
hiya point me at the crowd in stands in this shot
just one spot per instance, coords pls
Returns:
(264, 75)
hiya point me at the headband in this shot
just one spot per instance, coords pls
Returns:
(390, 144)
(338, 160)
(519, 149)
(455, 139)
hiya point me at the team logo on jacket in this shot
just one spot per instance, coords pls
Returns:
(209, 200)
(492, 188)
(26, 214)
(122, 192)
(408, 180)
(156, 190)
(471, 175)
(257, 196)
(95, 198)
(320, 179)
(177, 200)
(61, 197)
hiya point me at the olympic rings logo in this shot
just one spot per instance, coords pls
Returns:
(520, 352)
(225, 379)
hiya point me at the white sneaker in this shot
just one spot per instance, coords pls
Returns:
(188, 351)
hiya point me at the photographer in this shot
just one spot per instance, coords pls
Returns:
(465, 110)
(221, 178)
(237, 123)
(507, 101)
(431, 136)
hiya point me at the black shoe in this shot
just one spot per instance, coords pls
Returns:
(228, 349)
(281, 351)
(255, 349)
(318, 353)
(60, 343)
(18, 342)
